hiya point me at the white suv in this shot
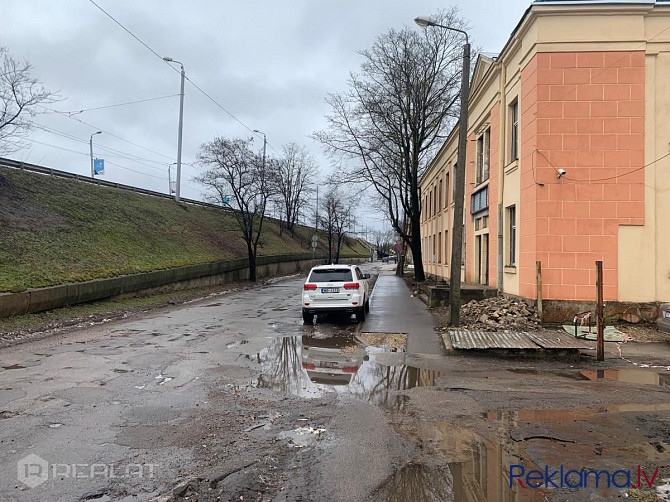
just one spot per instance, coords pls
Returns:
(335, 288)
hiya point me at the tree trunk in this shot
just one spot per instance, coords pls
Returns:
(252, 262)
(415, 246)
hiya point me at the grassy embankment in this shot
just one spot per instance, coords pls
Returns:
(55, 230)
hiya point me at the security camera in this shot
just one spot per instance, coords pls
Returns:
(561, 172)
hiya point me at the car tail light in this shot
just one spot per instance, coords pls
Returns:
(350, 285)
(308, 366)
(309, 286)
(349, 369)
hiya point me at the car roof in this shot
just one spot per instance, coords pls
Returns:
(330, 267)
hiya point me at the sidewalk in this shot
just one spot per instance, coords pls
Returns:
(393, 310)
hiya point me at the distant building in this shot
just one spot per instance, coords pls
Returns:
(581, 88)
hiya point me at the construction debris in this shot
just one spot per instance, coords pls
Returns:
(499, 314)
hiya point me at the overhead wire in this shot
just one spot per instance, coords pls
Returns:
(115, 152)
(76, 112)
(634, 170)
(207, 95)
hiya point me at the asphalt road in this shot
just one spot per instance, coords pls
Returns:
(222, 399)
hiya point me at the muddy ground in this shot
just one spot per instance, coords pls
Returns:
(233, 398)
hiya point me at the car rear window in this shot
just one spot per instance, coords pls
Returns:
(330, 275)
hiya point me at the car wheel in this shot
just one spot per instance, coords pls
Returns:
(367, 305)
(307, 317)
(360, 314)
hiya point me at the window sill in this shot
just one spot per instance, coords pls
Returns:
(510, 269)
(511, 167)
(481, 185)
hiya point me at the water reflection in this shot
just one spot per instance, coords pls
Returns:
(637, 376)
(482, 476)
(314, 365)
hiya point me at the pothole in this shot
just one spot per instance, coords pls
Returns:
(369, 367)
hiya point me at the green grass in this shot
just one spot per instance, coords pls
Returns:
(55, 230)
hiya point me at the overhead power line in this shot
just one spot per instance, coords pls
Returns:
(76, 112)
(207, 95)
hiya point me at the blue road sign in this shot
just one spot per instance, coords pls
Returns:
(99, 166)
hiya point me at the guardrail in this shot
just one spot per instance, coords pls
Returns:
(25, 166)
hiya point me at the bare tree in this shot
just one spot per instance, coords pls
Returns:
(20, 95)
(240, 174)
(334, 219)
(394, 116)
(297, 170)
(384, 241)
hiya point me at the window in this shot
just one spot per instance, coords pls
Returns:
(453, 183)
(434, 249)
(434, 201)
(439, 196)
(330, 275)
(514, 131)
(446, 247)
(446, 190)
(429, 254)
(439, 247)
(511, 226)
(483, 156)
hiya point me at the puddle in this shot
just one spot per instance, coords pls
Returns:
(482, 475)
(317, 365)
(641, 377)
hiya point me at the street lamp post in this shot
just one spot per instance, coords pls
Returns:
(265, 144)
(459, 178)
(181, 125)
(90, 143)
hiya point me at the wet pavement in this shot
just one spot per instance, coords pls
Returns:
(395, 310)
(236, 399)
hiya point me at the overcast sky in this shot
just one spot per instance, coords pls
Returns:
(268, 63)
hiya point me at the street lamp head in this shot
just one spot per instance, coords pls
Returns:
(168, 59)
(99, 132)
(424, 21)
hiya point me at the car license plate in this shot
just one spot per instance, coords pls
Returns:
(330, 290)
(328, 364)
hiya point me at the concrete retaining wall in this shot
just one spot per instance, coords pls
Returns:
(201, 275)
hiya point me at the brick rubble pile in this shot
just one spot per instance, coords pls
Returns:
(499, 314)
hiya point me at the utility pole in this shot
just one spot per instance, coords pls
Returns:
(91, 147)
(459, 181)
(457, 234)
(181, 126)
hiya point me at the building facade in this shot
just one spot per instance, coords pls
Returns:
(568, 158)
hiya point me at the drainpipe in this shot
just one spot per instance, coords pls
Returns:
(501, 171)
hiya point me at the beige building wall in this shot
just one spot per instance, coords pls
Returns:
(643, 256)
